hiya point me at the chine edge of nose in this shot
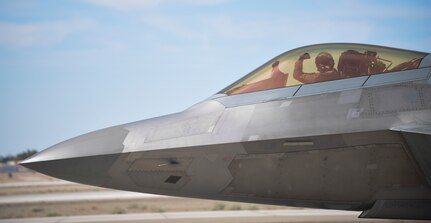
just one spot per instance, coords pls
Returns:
(101, 142)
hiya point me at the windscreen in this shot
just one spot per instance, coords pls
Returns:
(325, 62)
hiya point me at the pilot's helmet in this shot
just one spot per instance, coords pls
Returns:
(324, 62)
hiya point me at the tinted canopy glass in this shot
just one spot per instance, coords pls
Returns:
(325, 62)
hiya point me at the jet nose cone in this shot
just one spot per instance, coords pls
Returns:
(101, 142)
(84, 159)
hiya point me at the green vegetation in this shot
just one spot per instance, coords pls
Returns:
(53, 214)
(156, 209)
(218, 207)
(18, 216)
(37, 210)
(234, 207)
(252, 207)
(133, 206)
(118, 210)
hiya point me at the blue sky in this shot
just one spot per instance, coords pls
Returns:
(70, 67)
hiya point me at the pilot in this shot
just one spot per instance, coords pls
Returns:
(277, 79)
(324, 64)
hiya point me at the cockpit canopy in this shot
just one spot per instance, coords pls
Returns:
(325, 62)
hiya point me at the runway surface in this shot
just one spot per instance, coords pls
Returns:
(35, 184)
(209, 216)
(74, 196)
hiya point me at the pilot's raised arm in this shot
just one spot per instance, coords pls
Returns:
(324, 64)
(298, 71)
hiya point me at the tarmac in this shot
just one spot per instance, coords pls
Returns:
(210, 216)
(74, 196)
(35, 183)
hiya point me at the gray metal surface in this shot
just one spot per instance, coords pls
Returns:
(426, 62)
(420, 145)
(399, 209)
(101, 142)
(296, 174)
(332, 86)
(331, 145)
(258, 97)
(398, 77)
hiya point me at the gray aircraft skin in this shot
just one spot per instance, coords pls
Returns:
(357, 142)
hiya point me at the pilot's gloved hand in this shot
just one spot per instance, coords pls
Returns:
(304, 56)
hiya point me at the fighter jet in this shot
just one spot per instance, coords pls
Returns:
(332, 126)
